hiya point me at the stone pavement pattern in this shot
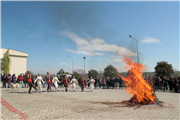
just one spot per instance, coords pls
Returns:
(81, 105)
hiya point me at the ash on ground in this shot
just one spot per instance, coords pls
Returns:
(126, 103)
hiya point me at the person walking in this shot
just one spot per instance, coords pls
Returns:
(55, 82)
(74, 82)
(38, 80)
(29, 81)
(9, 80)
(48, 81)
(66, 81)
(4, 80)
(92, 81)
(82, 84)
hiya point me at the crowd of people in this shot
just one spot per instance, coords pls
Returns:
(162, 83)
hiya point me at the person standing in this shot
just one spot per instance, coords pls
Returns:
(95, 84)
(116, 82)
(164, 81)
(48, 81)
(14, 79)
(55, 81)
(74, 82)
(104, 83)
(21, 80)
(170, 82)
(24, 80)
(29, 81)
(4, 80)
(120, 82)
(100, 82)
(9, 80)
(0, 77)
(38, 80)
(174, 84)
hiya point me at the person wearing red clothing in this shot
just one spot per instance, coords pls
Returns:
(82, 83)
(29, 81)
(20, 78)
(66, 81)
(48, 80)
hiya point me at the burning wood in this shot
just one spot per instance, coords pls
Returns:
(140, 90)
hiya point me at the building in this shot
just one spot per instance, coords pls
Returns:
(18, 60)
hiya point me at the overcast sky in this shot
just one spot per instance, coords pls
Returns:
(49, 31)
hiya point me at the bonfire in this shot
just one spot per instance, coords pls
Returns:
(135, 84)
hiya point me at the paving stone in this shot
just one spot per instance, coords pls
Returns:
(83, 105)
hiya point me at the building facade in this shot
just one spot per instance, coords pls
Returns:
(18, 63)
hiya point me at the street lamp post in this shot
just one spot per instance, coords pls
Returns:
(84, 65)
(137, 48)
(50, 68)
(72, 62)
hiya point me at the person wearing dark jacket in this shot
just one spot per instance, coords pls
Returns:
(175, 84)
(164, 81)
(14, 79)
(4, 80)
(170, 83)
(0, 77)
(120, 82)
(9, 80)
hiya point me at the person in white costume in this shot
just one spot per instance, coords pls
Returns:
(55, 80)
(74, 81)
(91, 81)
(38, 80)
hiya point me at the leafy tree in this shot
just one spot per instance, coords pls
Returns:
(100, 74)
(5, 64)
(77, 76)
(61, 71)
(163, 69)
(79, 71)
(110, 71)
(66, 73)
(92, 73)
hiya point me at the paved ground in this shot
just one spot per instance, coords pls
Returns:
(82, 105)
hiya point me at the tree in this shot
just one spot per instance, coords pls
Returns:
(61, 71)
(176, 73)
(92, 73)
(163, 69)
(100, 74)
(79, 71)
(110, 71)
(5, 64)
(77, 76)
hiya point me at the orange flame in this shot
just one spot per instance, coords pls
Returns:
(135, 84)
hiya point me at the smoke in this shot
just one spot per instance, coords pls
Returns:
(78, 17)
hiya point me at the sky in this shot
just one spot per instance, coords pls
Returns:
(49, 31)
